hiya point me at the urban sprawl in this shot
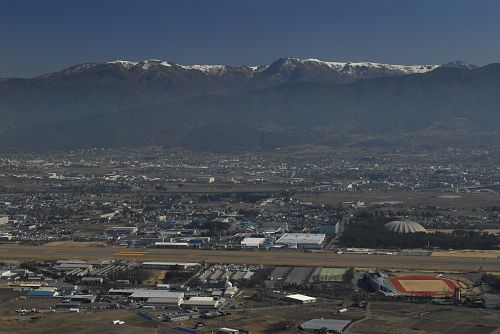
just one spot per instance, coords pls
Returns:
(177, 241)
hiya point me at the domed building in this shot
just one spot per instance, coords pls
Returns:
(404, 226)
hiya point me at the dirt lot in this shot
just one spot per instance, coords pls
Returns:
(405, 318)
(282, 320)
(95, 322)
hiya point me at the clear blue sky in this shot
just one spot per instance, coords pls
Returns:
(40, 36)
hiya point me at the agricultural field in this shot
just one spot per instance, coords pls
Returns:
(409, 198)
(492, 254)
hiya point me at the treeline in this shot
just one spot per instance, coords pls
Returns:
(367, 230)
(215, 228)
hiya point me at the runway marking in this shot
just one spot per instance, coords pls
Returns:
(138, 254)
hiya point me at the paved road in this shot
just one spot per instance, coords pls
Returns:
(289, 257)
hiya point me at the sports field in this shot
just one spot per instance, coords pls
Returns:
(424, 285)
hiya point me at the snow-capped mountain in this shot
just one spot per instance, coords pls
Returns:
(357, 69)
(298, 69)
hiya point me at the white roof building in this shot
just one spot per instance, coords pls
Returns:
(164, 301)
(253, 242)
(146, 294)
(302, 240)
(4, 219)
(169, 265)
(202, 302)
(303, 299)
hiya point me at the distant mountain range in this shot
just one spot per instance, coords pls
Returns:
(219, 107)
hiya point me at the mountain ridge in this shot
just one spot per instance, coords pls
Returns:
(275, 115)
(215, 68)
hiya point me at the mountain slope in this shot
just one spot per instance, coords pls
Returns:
(294, 113)
(101, 88)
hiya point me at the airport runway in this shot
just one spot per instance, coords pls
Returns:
(282, 257)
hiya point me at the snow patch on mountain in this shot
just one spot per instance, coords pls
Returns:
(353, 68)
(147, 64)
(207, 69)
(124, 63)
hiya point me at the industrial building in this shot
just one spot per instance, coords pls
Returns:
(43, 292)
(202, 303)
(4, 219)
(164, 301)
(253, 242)
(169, 265)
(87, 298)
(273, 227)
(302, 240)
(324, 325)
(301, 299)
(169, 244)
(147, 294)
(225, 330)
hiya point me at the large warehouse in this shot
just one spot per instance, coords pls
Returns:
(302, 240)
(253, 242)
(330, 325)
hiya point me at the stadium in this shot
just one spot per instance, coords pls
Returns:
(404, 226)
(412, 285)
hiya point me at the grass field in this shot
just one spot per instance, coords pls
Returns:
(490, 254)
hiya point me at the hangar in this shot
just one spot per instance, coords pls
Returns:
(253, 242)
(301, 299)
(302, 240)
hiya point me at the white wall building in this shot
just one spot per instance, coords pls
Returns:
(302, 299)
(253, 242)
(302, 240)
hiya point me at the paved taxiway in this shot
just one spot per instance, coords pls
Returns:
(295, 258)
